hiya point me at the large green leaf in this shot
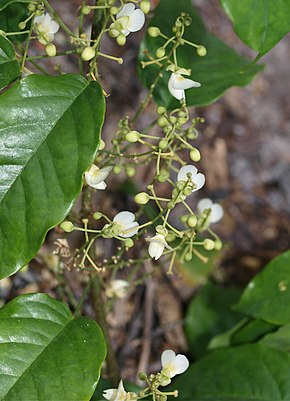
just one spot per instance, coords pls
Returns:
(260, 24)
(209, 314)
(219, 70)
(279, 339)
(267, 296)
(248, 372)
(252, 331)
(11, 13)
(45, 354)
(49, 132)
(9, 67)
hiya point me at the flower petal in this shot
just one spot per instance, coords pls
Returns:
(203, 204)
(136, 21)
(199, 180)
(177, 93)
(110, 394)
(180, 364)
(124, 218)
(101, 185)
(188, 169)
(167, 358)
(130, 230)
(184, 83)
(104, 172)
(54, 27)
(155, 250)
(217, 213)
(126, 10)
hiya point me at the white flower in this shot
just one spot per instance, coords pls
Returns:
(116, 394)
(172, 365)
(45, 28)
(216, 210)
(95, 176)
(177, 84)
(157, 245)
(133, 21)
(191, 172)
(117, 288)
(127, 224)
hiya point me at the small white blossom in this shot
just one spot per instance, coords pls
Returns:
(95, 176)
(46, 28)
(127, 224)
(118, 288)
(130, 19)
(191, 172)
(172, 365)
(157, 245)
(177, 84)
(216, 210)
(117, 394)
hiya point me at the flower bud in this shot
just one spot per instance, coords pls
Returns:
(129, 243)
(97, 215)
(170, 237)
(153, 31)
(50, 50)
(132, 136)
(114, 10)
(162, 121)
(188, 257)
(163, 144)
(145, 6)
(31, 7)
(201, 51)
(130, 170)
(160, 52)
(142, 198)
(218, 245)
(86, 10)
(192, 221)
(195, 155)
(117, 169)
(121, 39)
(163, 175)
(142, 376)
(38, 13)
(161, 230)
(88, 53)
(161, 110)
(22, 25)
(208, 244)
(67, 226)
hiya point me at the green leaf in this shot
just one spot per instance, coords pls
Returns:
(280, 339)
(11, 13)
(46, 354)
(224, 339)
(251, 331)
(49, 132)
(9, 67)
(219, 70)
(248, 372)
(209, 314)
(267, 296)
(260, 24)
(6, 3)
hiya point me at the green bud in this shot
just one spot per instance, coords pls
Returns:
(195, 155)
(86, 10)
(218, 245)
(38, 13)
(114, 10)
(121, 39)
(142, 198)
(67, 226)
(161, 110)
(97, 215)
(201, 51)
(192, 221)
(117, 169)
(102, 145)
(161, 230)
(31, 7)
(188, 257)
(132, 136)
(170, 205)
(22, 25)
(142, 376)
(88, 53)
(160, 52)
(163, 175)
(40, 7)
(191, 134)
(162, 121)
(153, 31)
(208, 244)
(173, 119)
(50, 50)
(184, 218)
(187, 21)
(129, 243)
(130, 170)
(163, 144)
(170, 237)
(178, 23)
(145, 6)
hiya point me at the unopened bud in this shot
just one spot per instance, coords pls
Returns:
(117, 169)
(195, 155)
(208, 244)
(22, 25)
(86, 10)
(67, 226)
(121, 39)
(153, 31)
(97, 215)
(114, 10)
(132, 136)
(160, 52)
(142, 376)
(129, 243)
(161, 110)
(201, 51)
(192, 221)
(162, 121)
(163, 144)
(188, 257)
(142, 198)
(88, 53)
(50, 50)
(145, 6)
(130, 170)
(31, 7)
(218, 245)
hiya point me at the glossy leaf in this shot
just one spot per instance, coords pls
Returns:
(267, 296)
(224, 339)
(209, 314)
(244, 373)
(251, 331)
(49, 132)
(219, 70)
(11, 13)
(260, 24)
(279, 339)
(9, 67)
(46, 354)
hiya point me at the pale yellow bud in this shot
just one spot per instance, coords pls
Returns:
(142, 198)
(50, 50)
(195, 155)
(88, 53)
(132, 136)
(145, 6)
(208, 244)
(67, 226)
(121, 39)
(201, 51)
(153, 31)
